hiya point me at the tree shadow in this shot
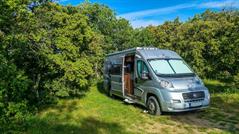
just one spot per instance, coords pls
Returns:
(216, 116)
(54, 104)
(213, 88)
(89, 125)
(220, 88)
(62, 119)
(220, 115)
(94, 126)
(100, 87)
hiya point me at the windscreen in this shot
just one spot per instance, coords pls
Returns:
(170, 67)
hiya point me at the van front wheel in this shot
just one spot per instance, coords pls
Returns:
(153, 106)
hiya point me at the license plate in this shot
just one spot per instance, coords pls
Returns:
(195, 104)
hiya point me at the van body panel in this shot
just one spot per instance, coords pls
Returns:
(187, 92)
(146, 87)
(116, 84)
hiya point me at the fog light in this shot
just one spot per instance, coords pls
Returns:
(186, 105)
(176, 101)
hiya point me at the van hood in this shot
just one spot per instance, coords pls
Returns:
(183, 83)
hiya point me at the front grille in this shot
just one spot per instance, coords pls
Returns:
(197, 100)
(193, 95)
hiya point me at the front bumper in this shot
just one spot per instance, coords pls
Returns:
(175, 102)
(175, 107)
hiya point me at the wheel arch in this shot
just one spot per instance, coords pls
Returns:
(148, 94)
(151, 94)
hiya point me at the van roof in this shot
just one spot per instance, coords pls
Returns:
(150, 52)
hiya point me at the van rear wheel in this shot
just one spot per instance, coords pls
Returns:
(153, 106)
(107, 87)
(108, 90)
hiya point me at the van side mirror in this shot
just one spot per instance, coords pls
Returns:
(145, 75)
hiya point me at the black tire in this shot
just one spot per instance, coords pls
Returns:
(153, 106)
(108, 90)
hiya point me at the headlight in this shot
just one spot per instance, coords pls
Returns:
(208, 97)
(166, 84)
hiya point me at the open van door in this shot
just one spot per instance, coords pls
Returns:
(129, 75)
(116, 79)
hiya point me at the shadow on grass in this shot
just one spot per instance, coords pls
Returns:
(100, 87)
(221, 114)
(213, 88)
(53, 104)
(221, 88)
(88, 125)
(65, 119)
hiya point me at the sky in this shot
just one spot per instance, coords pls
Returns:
(142, 13)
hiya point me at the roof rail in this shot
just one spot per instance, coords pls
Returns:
(133, 49)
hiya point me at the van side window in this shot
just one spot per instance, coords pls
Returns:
(141, 67)
(115, 69)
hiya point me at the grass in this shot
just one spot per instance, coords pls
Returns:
(95, 113)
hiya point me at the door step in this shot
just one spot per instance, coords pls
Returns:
(130, 101)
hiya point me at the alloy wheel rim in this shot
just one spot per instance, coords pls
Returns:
(151, 106)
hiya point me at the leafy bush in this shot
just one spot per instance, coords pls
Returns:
(14, 87)
(236, 81)
(208, 42)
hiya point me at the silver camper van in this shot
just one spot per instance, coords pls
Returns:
(155, 78)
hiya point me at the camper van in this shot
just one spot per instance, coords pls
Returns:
(155, 78)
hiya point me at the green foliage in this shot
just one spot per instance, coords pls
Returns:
(117, 33)
(67, 48)
(236, 81)
(49, 51)
(208, 42)
(14, 86)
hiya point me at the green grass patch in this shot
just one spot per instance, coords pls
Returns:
(95, 113)
(216, 86)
